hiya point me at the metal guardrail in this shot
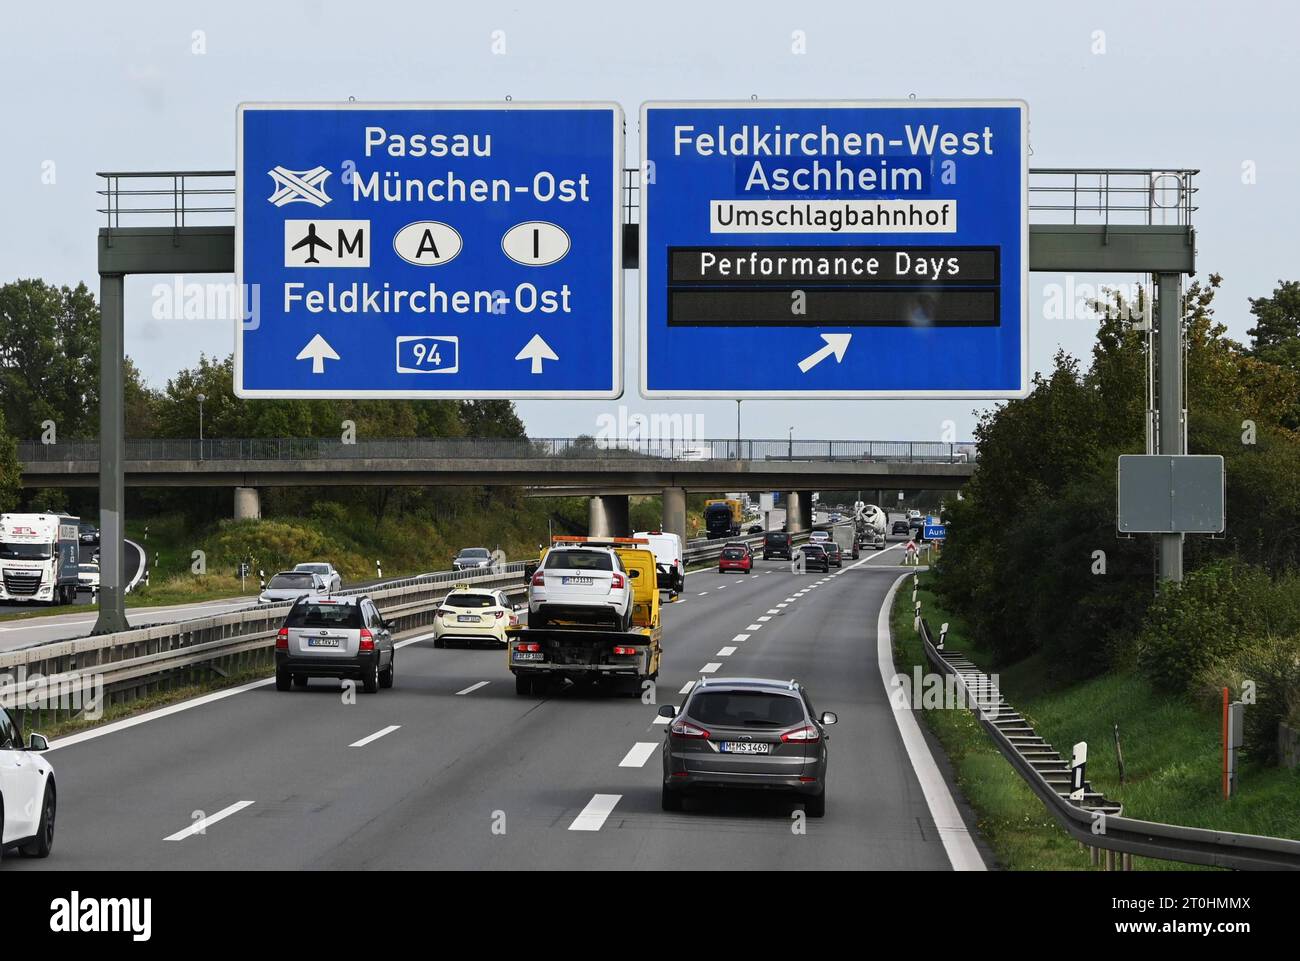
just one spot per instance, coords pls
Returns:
(1073, 195)
(442, 448)
(1168, 842)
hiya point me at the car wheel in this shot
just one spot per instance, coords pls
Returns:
(39, 846)
(282, 680)
(371, 681)
(670, 800)
(300, 680)
(388, 674)
(815, 806)
(523, 684)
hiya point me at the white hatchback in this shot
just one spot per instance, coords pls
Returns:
(27, 795)
(583, 584)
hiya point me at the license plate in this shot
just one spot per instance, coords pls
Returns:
(322, 642)
(580, 581)
(529, 656)
(467, 618)
(745, 747)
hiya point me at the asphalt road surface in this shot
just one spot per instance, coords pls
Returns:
(451, 769)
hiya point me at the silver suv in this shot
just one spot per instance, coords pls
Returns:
(746, 732)
(341, 637)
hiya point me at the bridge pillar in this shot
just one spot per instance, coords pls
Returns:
(674, 512)
(607, 516)
(248, 504)
(798, 511)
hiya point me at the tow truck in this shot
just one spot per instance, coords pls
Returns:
(540, 657)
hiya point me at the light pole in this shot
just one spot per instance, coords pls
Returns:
(201, 399)
(790, 454)
(737, 428)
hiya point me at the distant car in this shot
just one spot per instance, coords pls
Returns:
(472, 559)
(834, 554)
(291, 585)
(745, 733)
(913, 513)
(332, 578)
(899, 527)
(583, 584)
(754, 529)
(776, 544)
(835, 518)
(916, 523)
(27, 792)
(670, 566)
(87, 533)
(473, 614)
(819, 537)
(342, 637)
(735, 558)
(815, 558)
(87, 577)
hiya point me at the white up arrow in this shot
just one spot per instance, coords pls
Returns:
(317, 351)
(836, 344)
(536, 350)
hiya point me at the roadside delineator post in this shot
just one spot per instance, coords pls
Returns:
(379, 571)
(1078, 771)
(943, 634)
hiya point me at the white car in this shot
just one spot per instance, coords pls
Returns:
(87, 577)
(670, 570)
(27, 794)
(819, 537)
(291, 585)
(333, 579)
(582, 584)
(469, 614)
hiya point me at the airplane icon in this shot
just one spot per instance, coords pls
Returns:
(311, 242)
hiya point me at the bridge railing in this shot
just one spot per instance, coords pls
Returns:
(460, 448)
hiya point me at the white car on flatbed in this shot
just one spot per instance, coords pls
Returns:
(470, 614)
(580, 584)
(27, 794)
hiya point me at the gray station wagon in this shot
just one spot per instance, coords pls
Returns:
(341, 637)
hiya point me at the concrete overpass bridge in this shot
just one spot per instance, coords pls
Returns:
(607, 471)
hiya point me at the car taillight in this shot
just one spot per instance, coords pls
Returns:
(685, 729)
(539, 579)
(367, 640)
(620, 649)
(804, 735)
(282, 639)
(616, 582)
(532, 647)
(500, 614)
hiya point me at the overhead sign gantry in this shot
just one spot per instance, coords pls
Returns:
(443, 250)
(839, 249)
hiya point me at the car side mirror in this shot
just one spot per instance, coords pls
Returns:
(38, 742)
(830, 717)
(667, 710)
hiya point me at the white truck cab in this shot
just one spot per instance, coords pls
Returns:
(39, 558)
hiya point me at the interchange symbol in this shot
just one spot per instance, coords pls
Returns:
(299, 186)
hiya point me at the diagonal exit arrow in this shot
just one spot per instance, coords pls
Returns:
(836, 344)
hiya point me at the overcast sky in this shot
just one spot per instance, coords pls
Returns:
(89, 86)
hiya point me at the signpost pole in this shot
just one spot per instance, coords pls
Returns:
(112, 454)
(1169, 402)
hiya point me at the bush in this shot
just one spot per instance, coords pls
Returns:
(1272, 663)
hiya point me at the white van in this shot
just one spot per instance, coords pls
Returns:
(670, 566)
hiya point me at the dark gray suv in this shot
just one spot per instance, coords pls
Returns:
(746, 732)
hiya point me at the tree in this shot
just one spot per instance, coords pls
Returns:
(49, 358)
(1277, 326)
(10, 471)
(491, 418)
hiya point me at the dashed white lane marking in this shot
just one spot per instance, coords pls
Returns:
(774, 610)
(711, 668)
(741, 581)
(739, 638)
(473, 687)
(202, 824)
(725, 652)
(378, 734)
(639, 754)
(686, 689)
(594, 814)
(754, 627)
(764, 619)
(722, 587)
(702, 593)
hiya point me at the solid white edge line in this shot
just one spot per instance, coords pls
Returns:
(170, 709)
(593, 815)
(376, 736)
(639, 754)
(957, 842)
(473, 687)
(202, 824)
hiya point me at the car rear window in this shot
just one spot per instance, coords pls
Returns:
(311, 568)
(324, 615)
(777, 538)
(578, 561)
(469, 601)
(745, 709)
(475, 552)
(288, 581)
(733, 553)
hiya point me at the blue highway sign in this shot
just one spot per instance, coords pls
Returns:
(865, 249)
(934, 532)
(440, 250)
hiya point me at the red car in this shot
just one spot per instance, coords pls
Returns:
(736, 558)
